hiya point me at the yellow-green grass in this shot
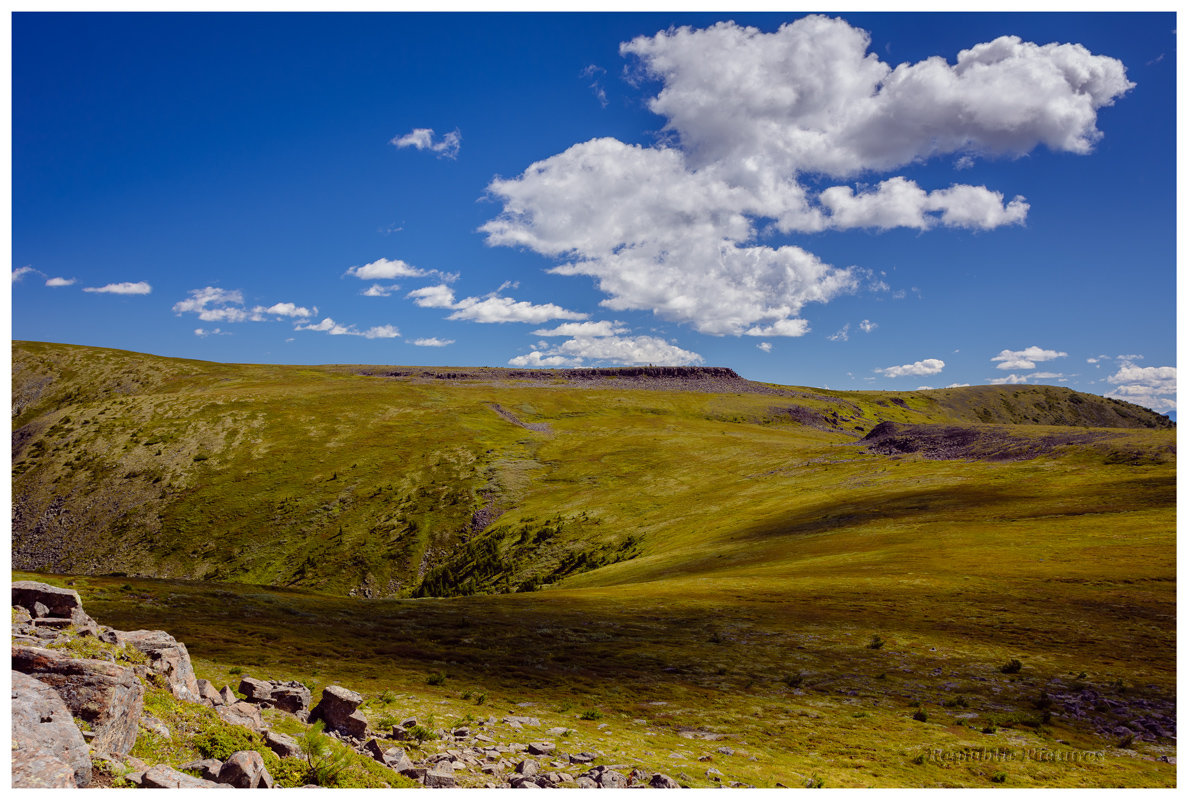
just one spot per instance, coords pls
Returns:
(770, 553)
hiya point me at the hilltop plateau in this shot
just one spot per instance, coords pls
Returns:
(832, 585)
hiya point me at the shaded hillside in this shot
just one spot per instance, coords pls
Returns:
(398, 481)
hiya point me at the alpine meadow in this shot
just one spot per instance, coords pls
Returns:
(593, 400)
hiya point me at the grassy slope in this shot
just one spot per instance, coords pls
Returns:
(770, 550)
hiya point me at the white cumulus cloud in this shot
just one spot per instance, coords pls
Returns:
(489, 308)
(61, 282)
(600, 328)
(386, 269)
(432, 341)
(126, 287)
(1026, 358)
(617, 350)
(674, 228)
(423, 139)
(1152, 387)
(928, 366)
(382, 332)
(213, 304)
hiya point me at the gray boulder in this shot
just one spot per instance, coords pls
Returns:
(208, 693)
(107, 696)
(293, 697)
(392, 757)
(440, 776)
(244, 769)
(241, 713)
(52, 602)
(163, 777)
(256, 691)
(209, 767)
(662, 781)
(48, 749)
(284, 746)
(167, 657)
(338, 709)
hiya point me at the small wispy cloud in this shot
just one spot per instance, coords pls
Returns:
(61, 282)
(433, 341)
(126, 287)
(764, 346)
(379, 290)
(593, 74)
(423, 139)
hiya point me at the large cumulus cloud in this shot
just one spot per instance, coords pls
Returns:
(676, 228)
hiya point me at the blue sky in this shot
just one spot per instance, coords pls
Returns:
(868, 200)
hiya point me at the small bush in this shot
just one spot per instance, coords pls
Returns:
(1126, 741)
(876, 642)
(590, 713)
(1011, 667)
(327, 758)
(815, 782)
(436, 678)
(998, 777)
(422, 733)
(221, 742)
(920, 716)
(1043, 701)
(920, 759)
(235, 671)
(793, 681)
(480, 698)
(466, 695)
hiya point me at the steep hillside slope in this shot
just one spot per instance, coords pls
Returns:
(400, 481)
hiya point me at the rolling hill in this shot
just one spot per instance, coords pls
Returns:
(800, 569)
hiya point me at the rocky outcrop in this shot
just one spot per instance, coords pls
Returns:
(289, 696)
(51, 606)
(167, 656)
(48, 749)
(339, 710)
(107, 696)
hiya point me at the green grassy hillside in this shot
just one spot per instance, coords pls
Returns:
(772, 565)
(351, 480)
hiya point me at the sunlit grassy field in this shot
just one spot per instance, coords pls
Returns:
(708, 563)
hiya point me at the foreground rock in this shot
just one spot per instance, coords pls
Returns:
(339, 710)
(48, 749)
(107, 696)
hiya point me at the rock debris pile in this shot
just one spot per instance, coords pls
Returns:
(72, 714)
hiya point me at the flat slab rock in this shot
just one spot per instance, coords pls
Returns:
(163, 777)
